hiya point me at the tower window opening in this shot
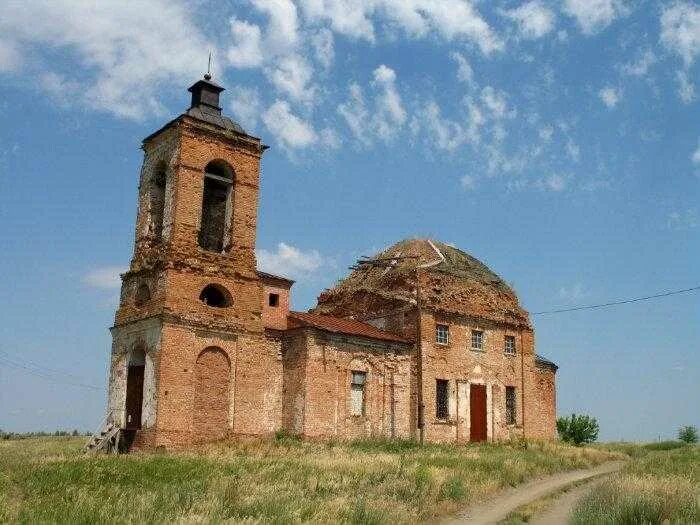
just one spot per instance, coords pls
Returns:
(157, 201)
(216, 296)
(216, 206)
(273, 300)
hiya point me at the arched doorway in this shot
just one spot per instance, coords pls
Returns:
(134, 388)
(211, 394)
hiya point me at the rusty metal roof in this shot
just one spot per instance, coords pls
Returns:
(340, 325)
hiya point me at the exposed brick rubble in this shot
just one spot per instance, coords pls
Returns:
(220, 354)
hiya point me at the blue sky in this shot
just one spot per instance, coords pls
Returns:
(558, 142)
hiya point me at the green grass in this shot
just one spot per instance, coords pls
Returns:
(281, 480)
(660, 485)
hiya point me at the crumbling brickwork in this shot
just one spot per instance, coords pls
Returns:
(206, 347)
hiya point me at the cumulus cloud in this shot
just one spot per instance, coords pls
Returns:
(467, 182)
(610, 96)
(290, 261)
(105, 278)
(246, 50)
(445, 133)
(640, 67)
(695, 157)
(292, 75)
(387, 112)
(593, 15)
(464, 70)
(680, 30)
(534, 19)
(449, 19)
(127, 50)
(686, 89)
(323, 45)
(290, 131)
(246, 106)
(683, 219)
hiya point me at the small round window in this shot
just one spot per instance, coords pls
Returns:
(216, 296)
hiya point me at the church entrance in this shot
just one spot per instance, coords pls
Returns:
(477, 412)
(134, 389)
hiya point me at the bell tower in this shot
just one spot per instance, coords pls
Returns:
(190, 312)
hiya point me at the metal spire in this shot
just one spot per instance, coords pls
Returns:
(207, 76)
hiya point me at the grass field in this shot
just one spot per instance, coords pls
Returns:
(660, 485)
(275, 481)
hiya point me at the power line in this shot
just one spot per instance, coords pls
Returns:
(615, 303)
(45, 373)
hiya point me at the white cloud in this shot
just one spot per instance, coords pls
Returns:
(245, 105)
(126, 50)
(9, 56)
(450, 19)
(573, 150)
(282, 31)
(554, 182)
(610, 96)
(465, 73)
(695, 158)
(496, 102)
(573, 293)
(682, 220)
(289, 130)
(322, 42)
(546, 133)
(593, 15)
(533, 18)
(290, 261)
(467, 182)
(445, 133)
(388, 114)
(107, 278)
(680, 30)
(641, 66)
(686, 89)
(246, 50)
(292, 75)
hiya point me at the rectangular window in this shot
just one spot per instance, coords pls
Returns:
(442, 334)
(442, 387)
(477, 340)
(273, 300)
(510, 405)
(510, 345)
(357, 393)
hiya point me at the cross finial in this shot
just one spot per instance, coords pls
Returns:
(207, 76)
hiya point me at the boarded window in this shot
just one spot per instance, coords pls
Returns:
(511, 413)
(477, 340)
(357, 393)
(442, 334)
(156, 192)
(442, 387)
(509, 345)
(218, 180)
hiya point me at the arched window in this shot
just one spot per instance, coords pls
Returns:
(143, 294)
(156, 192)
(216, 296)
(216, 206)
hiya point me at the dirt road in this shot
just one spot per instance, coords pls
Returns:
(501, 505)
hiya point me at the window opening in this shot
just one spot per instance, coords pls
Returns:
(510, 405)
(216, 296)
(273, 300)
(442, 334)
(477, 340)
(357, 393)
(441, 401)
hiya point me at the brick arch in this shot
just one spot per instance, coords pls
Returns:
(211, 394)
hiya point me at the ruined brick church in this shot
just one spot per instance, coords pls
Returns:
(421, 341)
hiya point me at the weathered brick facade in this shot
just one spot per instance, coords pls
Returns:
(218, 353)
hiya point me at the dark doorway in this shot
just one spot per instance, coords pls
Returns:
(134, 389)
(477, 411)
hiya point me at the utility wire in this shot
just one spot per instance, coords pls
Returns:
(45, 373)
(615, 303)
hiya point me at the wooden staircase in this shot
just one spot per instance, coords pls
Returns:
(106, 439)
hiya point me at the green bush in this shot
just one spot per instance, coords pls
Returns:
(577, 429)
(688, 434)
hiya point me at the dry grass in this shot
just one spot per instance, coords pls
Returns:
(275, 481)
(661, 485)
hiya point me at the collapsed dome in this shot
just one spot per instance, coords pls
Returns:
(452, 281)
